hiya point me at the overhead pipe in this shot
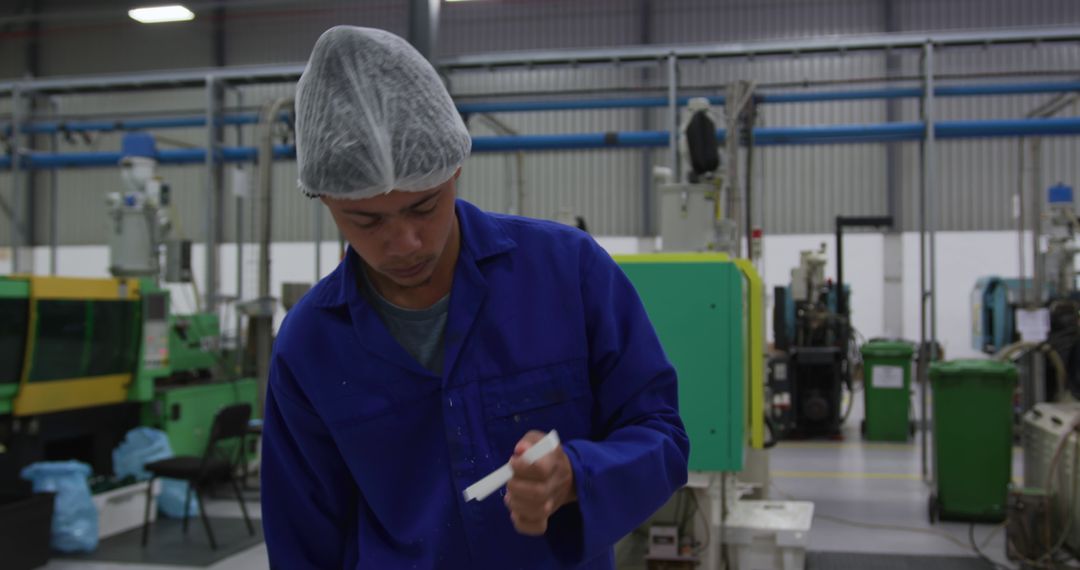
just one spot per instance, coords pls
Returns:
(106, 126)
(55, 127)
(763, 136)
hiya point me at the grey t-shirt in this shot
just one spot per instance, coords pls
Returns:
(418, 331)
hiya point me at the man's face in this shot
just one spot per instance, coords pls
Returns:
(399, 235)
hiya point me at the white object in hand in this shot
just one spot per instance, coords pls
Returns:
(480, 490)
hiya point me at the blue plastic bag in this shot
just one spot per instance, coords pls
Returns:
(171, 500)
(75, 518)
(141, 445)
(144, 445)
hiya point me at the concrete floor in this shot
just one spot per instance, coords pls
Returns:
(252, 559)
(869, 498)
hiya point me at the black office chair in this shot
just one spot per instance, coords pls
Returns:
(215, 466)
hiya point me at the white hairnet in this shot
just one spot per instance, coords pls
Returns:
(372, 116)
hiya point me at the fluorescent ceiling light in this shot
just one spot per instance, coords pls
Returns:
(158, 14)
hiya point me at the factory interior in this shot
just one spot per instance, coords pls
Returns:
(852, 225)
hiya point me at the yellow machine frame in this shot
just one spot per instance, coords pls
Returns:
(72, 393)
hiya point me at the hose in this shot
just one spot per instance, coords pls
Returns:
(1006, 353)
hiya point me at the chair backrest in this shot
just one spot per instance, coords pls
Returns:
(229, 423)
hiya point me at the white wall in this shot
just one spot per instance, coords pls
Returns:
(962, 257)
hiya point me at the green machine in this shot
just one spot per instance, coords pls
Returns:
(706, 314)
(14, 315)
(183, 379)
(82, 361)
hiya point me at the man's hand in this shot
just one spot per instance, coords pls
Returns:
(538, 490)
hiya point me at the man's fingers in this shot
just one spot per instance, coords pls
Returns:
(527, 441)
(539, 471)
(527, 492)
(529, 527)
(531, 506)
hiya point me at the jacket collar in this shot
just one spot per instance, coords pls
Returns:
(481, 234)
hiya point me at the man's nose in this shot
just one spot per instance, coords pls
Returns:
(404, 239)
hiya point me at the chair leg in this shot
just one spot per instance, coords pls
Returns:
(187, 502)
(205, 519)
(243, 507)
(146, 511)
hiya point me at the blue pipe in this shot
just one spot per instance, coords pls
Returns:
(913, 92)
(1008, 128)
(850, 95)
(571, 141)
(576, 104)
(42, 160)
(50, 127)
(56, 127)
(1008, 89)
(764, 136)
(885, 132)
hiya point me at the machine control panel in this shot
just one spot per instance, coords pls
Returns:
(155, 331)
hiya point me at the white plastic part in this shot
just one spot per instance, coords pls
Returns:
(495, 480)
(769, 535)
(122, 509)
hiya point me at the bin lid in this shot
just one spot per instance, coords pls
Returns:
(887, 349)
(973, 368)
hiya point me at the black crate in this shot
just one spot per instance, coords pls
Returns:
(25, 528)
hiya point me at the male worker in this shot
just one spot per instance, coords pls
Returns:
(447, 342)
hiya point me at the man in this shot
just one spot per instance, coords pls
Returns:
(446, 343)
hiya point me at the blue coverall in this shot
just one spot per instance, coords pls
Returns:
(366, 453)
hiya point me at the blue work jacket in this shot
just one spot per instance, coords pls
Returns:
(366, 453)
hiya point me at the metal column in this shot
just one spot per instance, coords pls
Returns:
(646, 121)
(893, 242)
(317, 212)
(673, 119)
(240, 194)
(16, 212)
(213, 226)
(927, 254)
(1033, 385)
(424, 25)
(262, 318)
(54, 198)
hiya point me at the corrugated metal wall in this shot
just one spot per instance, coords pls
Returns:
(799, 189)
(285, 35)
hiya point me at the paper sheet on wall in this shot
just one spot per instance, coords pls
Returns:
(1033, 325)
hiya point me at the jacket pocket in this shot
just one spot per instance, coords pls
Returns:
(556, 397)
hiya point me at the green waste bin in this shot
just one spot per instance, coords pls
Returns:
(887, 390)
(973, 438)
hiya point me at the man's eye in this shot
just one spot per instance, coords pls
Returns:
(369, 223)
(425, 211)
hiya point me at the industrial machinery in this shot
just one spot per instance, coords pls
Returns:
(700, 243)
(694, 208)
(817, 351)
(1051, 482)
(806, 380)
(707, 307)
(1048, 305)
(82, 361)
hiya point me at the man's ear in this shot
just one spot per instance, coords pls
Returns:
(457, 173)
